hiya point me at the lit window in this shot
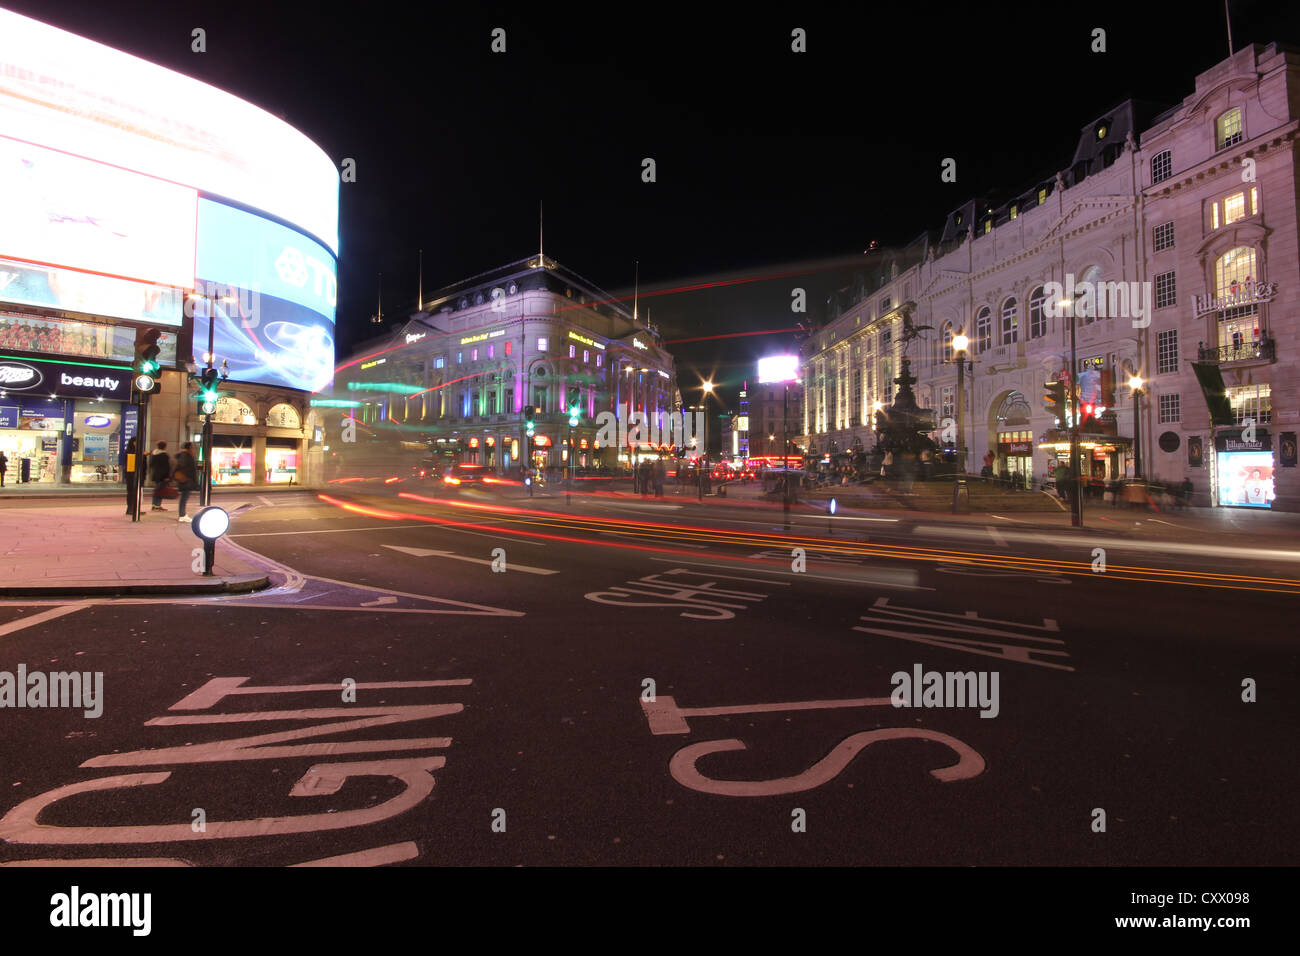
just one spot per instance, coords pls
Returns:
(1015, 211)
(460, 358)
(1042, 195)
(586, 356)
(1254, 201)
(473, 355)
(599, 360)
(492, 351)
(541, 343)
(1234, 208)
(439, 362)
(573, 351)
(1227, 129)
(1233, 268)
(508, 348)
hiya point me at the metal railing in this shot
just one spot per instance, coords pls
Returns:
(1259, 351)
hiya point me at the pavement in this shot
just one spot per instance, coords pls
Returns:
(93, 548)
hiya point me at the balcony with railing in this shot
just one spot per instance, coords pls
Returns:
(1259, 350)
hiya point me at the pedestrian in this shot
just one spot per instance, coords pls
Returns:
(661, 475)
(1186, 492)
(160, 472)
(185, 475)
(129, 470)
(4, 466)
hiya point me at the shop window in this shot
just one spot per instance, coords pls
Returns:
(283, 415)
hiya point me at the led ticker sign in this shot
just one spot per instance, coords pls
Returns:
(366, 365)
(586, 341)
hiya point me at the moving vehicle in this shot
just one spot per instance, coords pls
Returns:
(462, 475)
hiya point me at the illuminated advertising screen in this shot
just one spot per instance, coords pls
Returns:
(72, 94)
(62, 210)
(67, 290)
(1246, 478)
(274, 298)
(778, 368)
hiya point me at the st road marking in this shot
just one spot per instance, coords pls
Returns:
(415, 772)
(705, 601)
(427, 553)
(919, 622)
(900, 578)
(665, 717)
(980, 571)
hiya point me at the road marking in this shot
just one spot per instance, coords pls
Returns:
(40, 618)
(428, 553)
(1000, 541)
(379, 602)
(272, 534)
(266, 501)
(375, 856)
(880, 577)
(682, 544)
(1004, 518)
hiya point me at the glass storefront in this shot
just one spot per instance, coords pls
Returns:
(96, 442)
(232, 461)
(281, 461)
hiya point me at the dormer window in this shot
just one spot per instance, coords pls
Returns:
(1102, 129)
(1015, 210)
(1227, 129)
(988, 225)
(1042, 195)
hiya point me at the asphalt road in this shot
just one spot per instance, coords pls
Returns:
(504, 717)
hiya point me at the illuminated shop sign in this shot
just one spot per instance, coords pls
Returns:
(481, 337)
(586, 341)
(366, 365)
(1249, 292)
(98, 421)
(412, 337)
(80, 379)
(639, 344)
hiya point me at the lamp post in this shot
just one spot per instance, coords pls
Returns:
(1076, 505)
(1135, 383)
(960, 342)
(706, 388)
(208, 378)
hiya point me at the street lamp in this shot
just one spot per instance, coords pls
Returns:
(960, 342)
(1135, 383)
(1076, 508)
(702, 460)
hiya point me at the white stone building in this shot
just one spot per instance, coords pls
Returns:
(1164, 205)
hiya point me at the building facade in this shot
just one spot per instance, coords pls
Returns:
(1169, 244)
(459, 374)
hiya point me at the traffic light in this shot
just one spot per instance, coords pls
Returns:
(575, 406)
(1054, 401)
(147, 368)
(208, 393)
(530, 425)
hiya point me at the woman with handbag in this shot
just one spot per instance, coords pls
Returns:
(185, 475)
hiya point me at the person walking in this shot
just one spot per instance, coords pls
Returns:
(1186, 497)
(4, 466)
(130, 472)
(160, 473)
(185, 474)
(661, 475)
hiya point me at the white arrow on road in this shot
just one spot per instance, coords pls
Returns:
(426, 553)
(379, 602)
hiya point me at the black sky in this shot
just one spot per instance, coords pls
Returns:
(768, 161)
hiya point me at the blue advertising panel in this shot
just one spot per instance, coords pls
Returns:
(8, 416)
(273, 292)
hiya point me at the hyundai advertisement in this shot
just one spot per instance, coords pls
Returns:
(273, 293)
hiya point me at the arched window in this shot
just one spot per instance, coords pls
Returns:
(1227, 129)
(983, 330)
(1037, 315)
(283, 415)
(1010, 322)
(1014, 410)
(1231, 270)
(231, 411)
(947, 341)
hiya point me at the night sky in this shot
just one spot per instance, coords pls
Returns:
(768, 162)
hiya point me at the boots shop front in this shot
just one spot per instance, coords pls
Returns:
(63, 423)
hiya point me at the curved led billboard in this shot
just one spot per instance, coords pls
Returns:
(72, 94)
(130, 191)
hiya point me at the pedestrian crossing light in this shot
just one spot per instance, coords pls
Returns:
(208, 393)
(1054, 400)
(530, 425)
(147, 366)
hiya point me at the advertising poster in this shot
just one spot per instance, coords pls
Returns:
(1246, 478)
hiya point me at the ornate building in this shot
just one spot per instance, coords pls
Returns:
(1170, 243)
